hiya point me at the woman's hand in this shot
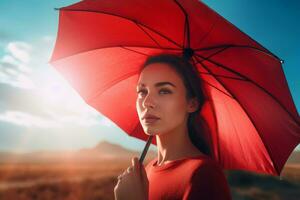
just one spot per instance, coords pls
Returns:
(133, 183)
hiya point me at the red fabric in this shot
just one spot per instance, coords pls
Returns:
(194, 178)
(253, 121)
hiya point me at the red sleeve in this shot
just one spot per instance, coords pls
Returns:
(208, 182)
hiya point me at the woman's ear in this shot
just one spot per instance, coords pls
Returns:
(193, 105)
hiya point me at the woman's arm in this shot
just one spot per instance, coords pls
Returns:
(133, 183)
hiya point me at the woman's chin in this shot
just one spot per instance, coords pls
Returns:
(150, 131)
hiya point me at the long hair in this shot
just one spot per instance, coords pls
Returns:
(193, 84)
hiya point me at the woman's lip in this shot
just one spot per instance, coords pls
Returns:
(150, 120)
(148, 116)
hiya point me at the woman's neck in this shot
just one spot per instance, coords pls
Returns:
(175, 145)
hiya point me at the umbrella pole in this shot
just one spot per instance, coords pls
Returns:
(145, 149)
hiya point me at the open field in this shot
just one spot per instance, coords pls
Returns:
(91, 181)
(68, 181)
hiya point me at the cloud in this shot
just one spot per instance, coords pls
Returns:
(25, 119)
(13, 66)
(34, 94)
(14, 78)
(10, 60)
(20, 118)
(27, 139)
(82, 117)
(20, 51)
(47, 107)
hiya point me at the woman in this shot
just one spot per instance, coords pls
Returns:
(169, 98)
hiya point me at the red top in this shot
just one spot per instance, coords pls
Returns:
(190, 178)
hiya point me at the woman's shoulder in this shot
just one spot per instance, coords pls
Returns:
(209, 171)
(189, 162)
(201, 167)
(208, 180)
(206, 165)
(202, 162)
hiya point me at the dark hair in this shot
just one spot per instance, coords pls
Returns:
(193, 84)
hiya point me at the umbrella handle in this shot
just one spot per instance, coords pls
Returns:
(145, 149)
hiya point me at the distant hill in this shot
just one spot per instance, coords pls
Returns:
(102, 151)
(294, 158)
(108, 150)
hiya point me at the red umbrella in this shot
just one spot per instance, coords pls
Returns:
(101, 45)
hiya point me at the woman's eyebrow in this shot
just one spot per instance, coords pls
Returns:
(159, 84)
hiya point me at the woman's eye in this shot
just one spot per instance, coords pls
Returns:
(165, 91)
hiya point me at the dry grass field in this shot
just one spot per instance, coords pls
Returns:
(68, 181)
(95, 181)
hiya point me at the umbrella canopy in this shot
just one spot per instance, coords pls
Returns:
(101, 46)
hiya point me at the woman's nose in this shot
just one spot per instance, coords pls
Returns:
(149, 102)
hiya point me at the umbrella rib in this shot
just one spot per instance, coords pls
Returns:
(199, 72)
(149, 47)
(208, 32)
(248, 36)
(148, 34)
(112, 83)
(217, 88)
(223, 76)
(135, 51)
(217, 52)
(132, 20)
(85, 51)
(251, 81)
(196, 62)
(186, 25)
(217, 131)
(185, 35)
(250, 118)
(126, 47)
(226, 46)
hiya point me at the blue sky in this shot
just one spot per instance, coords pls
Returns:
(31, 119)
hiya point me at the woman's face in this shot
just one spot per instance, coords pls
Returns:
(161, 92)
